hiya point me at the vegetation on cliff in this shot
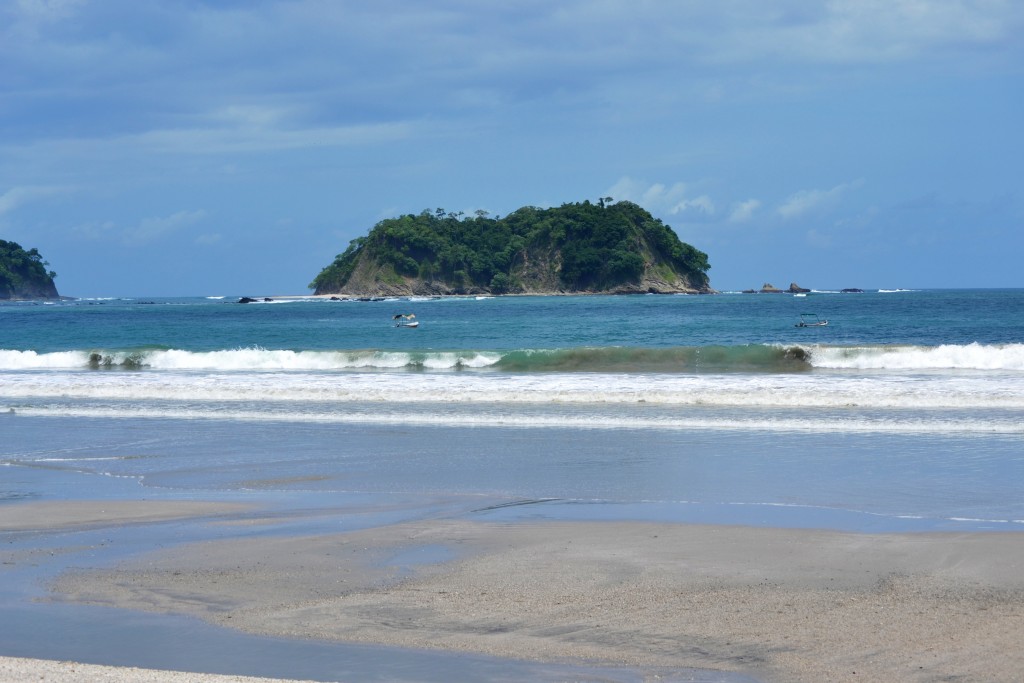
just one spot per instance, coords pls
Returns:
(23, 274)
(579, 247)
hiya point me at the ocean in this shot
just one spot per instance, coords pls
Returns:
(904, 412)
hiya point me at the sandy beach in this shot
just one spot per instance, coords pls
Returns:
(18, 670)
(775, 604)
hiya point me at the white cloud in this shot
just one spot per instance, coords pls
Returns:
(256, 139)
(252, 116)
(744, 211)
(883, 30)
(660, 198)
(18, 196)
(804, 201)
(153, 228)
(702, 204)
(311, 73)
(94, 231)
(628, 189)
(844, 31)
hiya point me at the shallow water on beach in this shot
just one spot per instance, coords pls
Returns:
(174, 643)
(878, 482)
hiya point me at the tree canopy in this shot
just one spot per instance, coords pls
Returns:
(589, 247)
(23, 273)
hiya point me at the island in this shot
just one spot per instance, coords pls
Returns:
(23, 274)
(577, 248)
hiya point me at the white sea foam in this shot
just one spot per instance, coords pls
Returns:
(249, 359)
(945, 357)
(452, 415)
(30, 360)
(799, 391)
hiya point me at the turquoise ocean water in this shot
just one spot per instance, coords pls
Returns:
(905, 411)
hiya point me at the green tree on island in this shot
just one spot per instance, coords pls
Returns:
(23, 274)
(578, 247)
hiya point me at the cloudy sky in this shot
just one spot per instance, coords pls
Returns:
(230, 147)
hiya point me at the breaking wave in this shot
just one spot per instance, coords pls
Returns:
(752, 358)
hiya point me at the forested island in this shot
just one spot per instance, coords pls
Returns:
(23, 274)
(576, 248)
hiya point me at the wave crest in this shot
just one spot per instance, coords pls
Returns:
(752, 358)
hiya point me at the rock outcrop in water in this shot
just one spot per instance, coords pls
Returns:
(575, 248)
(23, 274)
(769, 288)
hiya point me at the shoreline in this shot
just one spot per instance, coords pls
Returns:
(18, 669)
(775, 604)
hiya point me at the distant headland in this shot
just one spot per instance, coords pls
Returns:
(23, 274)
(578, 248)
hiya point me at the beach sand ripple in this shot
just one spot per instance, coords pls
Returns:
(783, 605)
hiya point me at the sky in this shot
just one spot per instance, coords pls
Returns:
(194, 148)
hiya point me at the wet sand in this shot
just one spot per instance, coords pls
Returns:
(781, 605)
(50, 515)
(18, 670)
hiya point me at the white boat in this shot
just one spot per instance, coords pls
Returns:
(406, 320)
(810, 320)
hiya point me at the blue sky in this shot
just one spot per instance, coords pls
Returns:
(157, 148)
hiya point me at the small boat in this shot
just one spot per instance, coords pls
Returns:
(406, 320)
(810, 320)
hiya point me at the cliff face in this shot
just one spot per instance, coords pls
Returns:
(23, 274)
(575, 248)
